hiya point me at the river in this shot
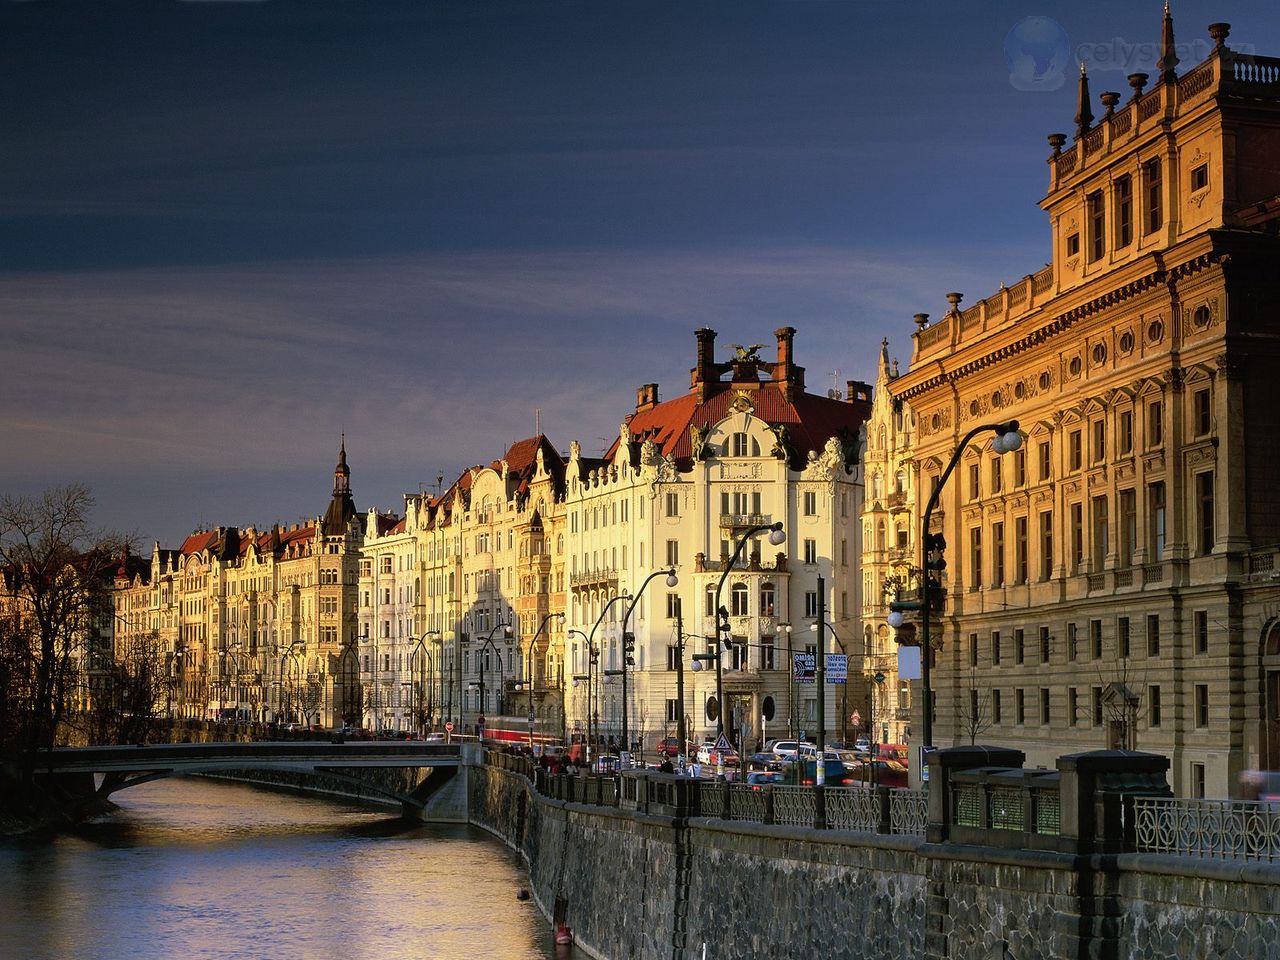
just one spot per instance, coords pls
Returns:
(192, 868)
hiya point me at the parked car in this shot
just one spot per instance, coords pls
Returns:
(784, 748)
(758, 778)
(707, 755)
(833, 771)
(669, 747)
(863, 744)
(764, 760)
(887, 773)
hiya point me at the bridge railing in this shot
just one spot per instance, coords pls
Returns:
(1222, 829)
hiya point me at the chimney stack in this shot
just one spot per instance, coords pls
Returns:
(704, 373)
(785, 372)
(646, 397)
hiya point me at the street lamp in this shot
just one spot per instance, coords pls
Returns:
(418, 688)
(791, 681)
(593, 656)
(291, 651)
(488, 642)
(1007, 440)
(776, 537)
(526, 674)
(628, 643)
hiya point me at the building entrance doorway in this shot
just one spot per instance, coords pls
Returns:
(1270, 672)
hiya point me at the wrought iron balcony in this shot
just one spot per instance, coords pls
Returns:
(735, 521)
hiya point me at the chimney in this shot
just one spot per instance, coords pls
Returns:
(786, 374)
(646, 397)
(704, 373)
(857, 390)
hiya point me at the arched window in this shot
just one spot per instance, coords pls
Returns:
(741, 603)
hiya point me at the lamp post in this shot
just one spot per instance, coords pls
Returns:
(1007, 440)
(592, 656)
(819, 626)
(418, 687)
(526, 674)
(352, 690)
(776, 537)
(291, 652)
(791, 682)
(628, 643)
(488, 642)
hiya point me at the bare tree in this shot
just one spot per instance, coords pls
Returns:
(974, 711)
(128, 696)
(57, 598)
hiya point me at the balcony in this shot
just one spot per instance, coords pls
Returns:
(741, 521)
(897, 502)
(593, 578)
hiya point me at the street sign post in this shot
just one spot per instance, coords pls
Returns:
(804, 667)
(837, 667)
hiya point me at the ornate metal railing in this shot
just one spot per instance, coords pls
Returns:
(794, 805)
(711, 798)
(908, 812)
(747, 803)
(1228, 829)
(855, 809)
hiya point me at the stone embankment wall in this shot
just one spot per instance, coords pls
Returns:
(635, 885)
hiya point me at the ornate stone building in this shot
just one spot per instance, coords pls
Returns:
(890, 552)
(251, 624)
(683, 481)
(1111, 583)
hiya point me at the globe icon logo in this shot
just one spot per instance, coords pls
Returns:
(1038, 53)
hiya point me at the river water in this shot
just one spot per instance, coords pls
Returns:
(192, 868)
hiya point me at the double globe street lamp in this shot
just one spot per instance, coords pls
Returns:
(629, 641)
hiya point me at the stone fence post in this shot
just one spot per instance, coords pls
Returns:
(944, 763)
(1096, 794)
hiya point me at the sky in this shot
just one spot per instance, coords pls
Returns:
(231, 230)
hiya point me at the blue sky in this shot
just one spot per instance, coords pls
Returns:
(230, 230)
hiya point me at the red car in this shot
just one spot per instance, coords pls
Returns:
(669, 747)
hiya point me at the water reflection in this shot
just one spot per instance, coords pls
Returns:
(202, 869)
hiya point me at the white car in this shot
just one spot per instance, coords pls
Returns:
(785, 748)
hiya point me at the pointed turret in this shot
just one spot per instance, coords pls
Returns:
(884, 375)
(1168, 62)
(1084, 113)
(342, 508)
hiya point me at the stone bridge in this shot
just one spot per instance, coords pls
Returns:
(427, 779)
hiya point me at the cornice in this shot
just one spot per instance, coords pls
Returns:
(1063, 322)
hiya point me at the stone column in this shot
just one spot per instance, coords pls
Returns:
(943, 763)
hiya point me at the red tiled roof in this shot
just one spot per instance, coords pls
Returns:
(810, 420)
(198, 541)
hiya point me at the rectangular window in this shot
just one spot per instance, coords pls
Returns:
(1020, 467)
(996, 475)
(975, 557)
(811, 604)
(1199, 177)
(1075, 450)
(767, 661)
(1099, 428)
(1153, 705)
(1073, 642)
(1197, 781)
(1122, 637)
(1046, 545)
(810, 503)
(1020, 705)
(1095, 638)
(1073, 706)
(973, 481)
(1202, 705)
(1155, 520)
(1202, 631)
(673, 504)
(1155, 423)
(997, 554)
(1204, 512)
(673, 710)
(1044, 706)
(1101, 533)
(1097, 706)
(1126, 432)
(995, 648)
(1046, 464)
(673, 605)
(673, 553)
(811, 551)
(1153, 635)
(1077, 536)
(1151, 186)
(1202, 414)
(673, 656)
(973, 649)
(1073, 244)
(1046, 642)
(995, 706)
(1097, 226)
(1124, 211)
(1020, 550)
(1019, 646)
(1128, 526)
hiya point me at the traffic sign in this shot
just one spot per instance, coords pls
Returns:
(448, 726)
(723, 745)
(855, 718)
(531, 717)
